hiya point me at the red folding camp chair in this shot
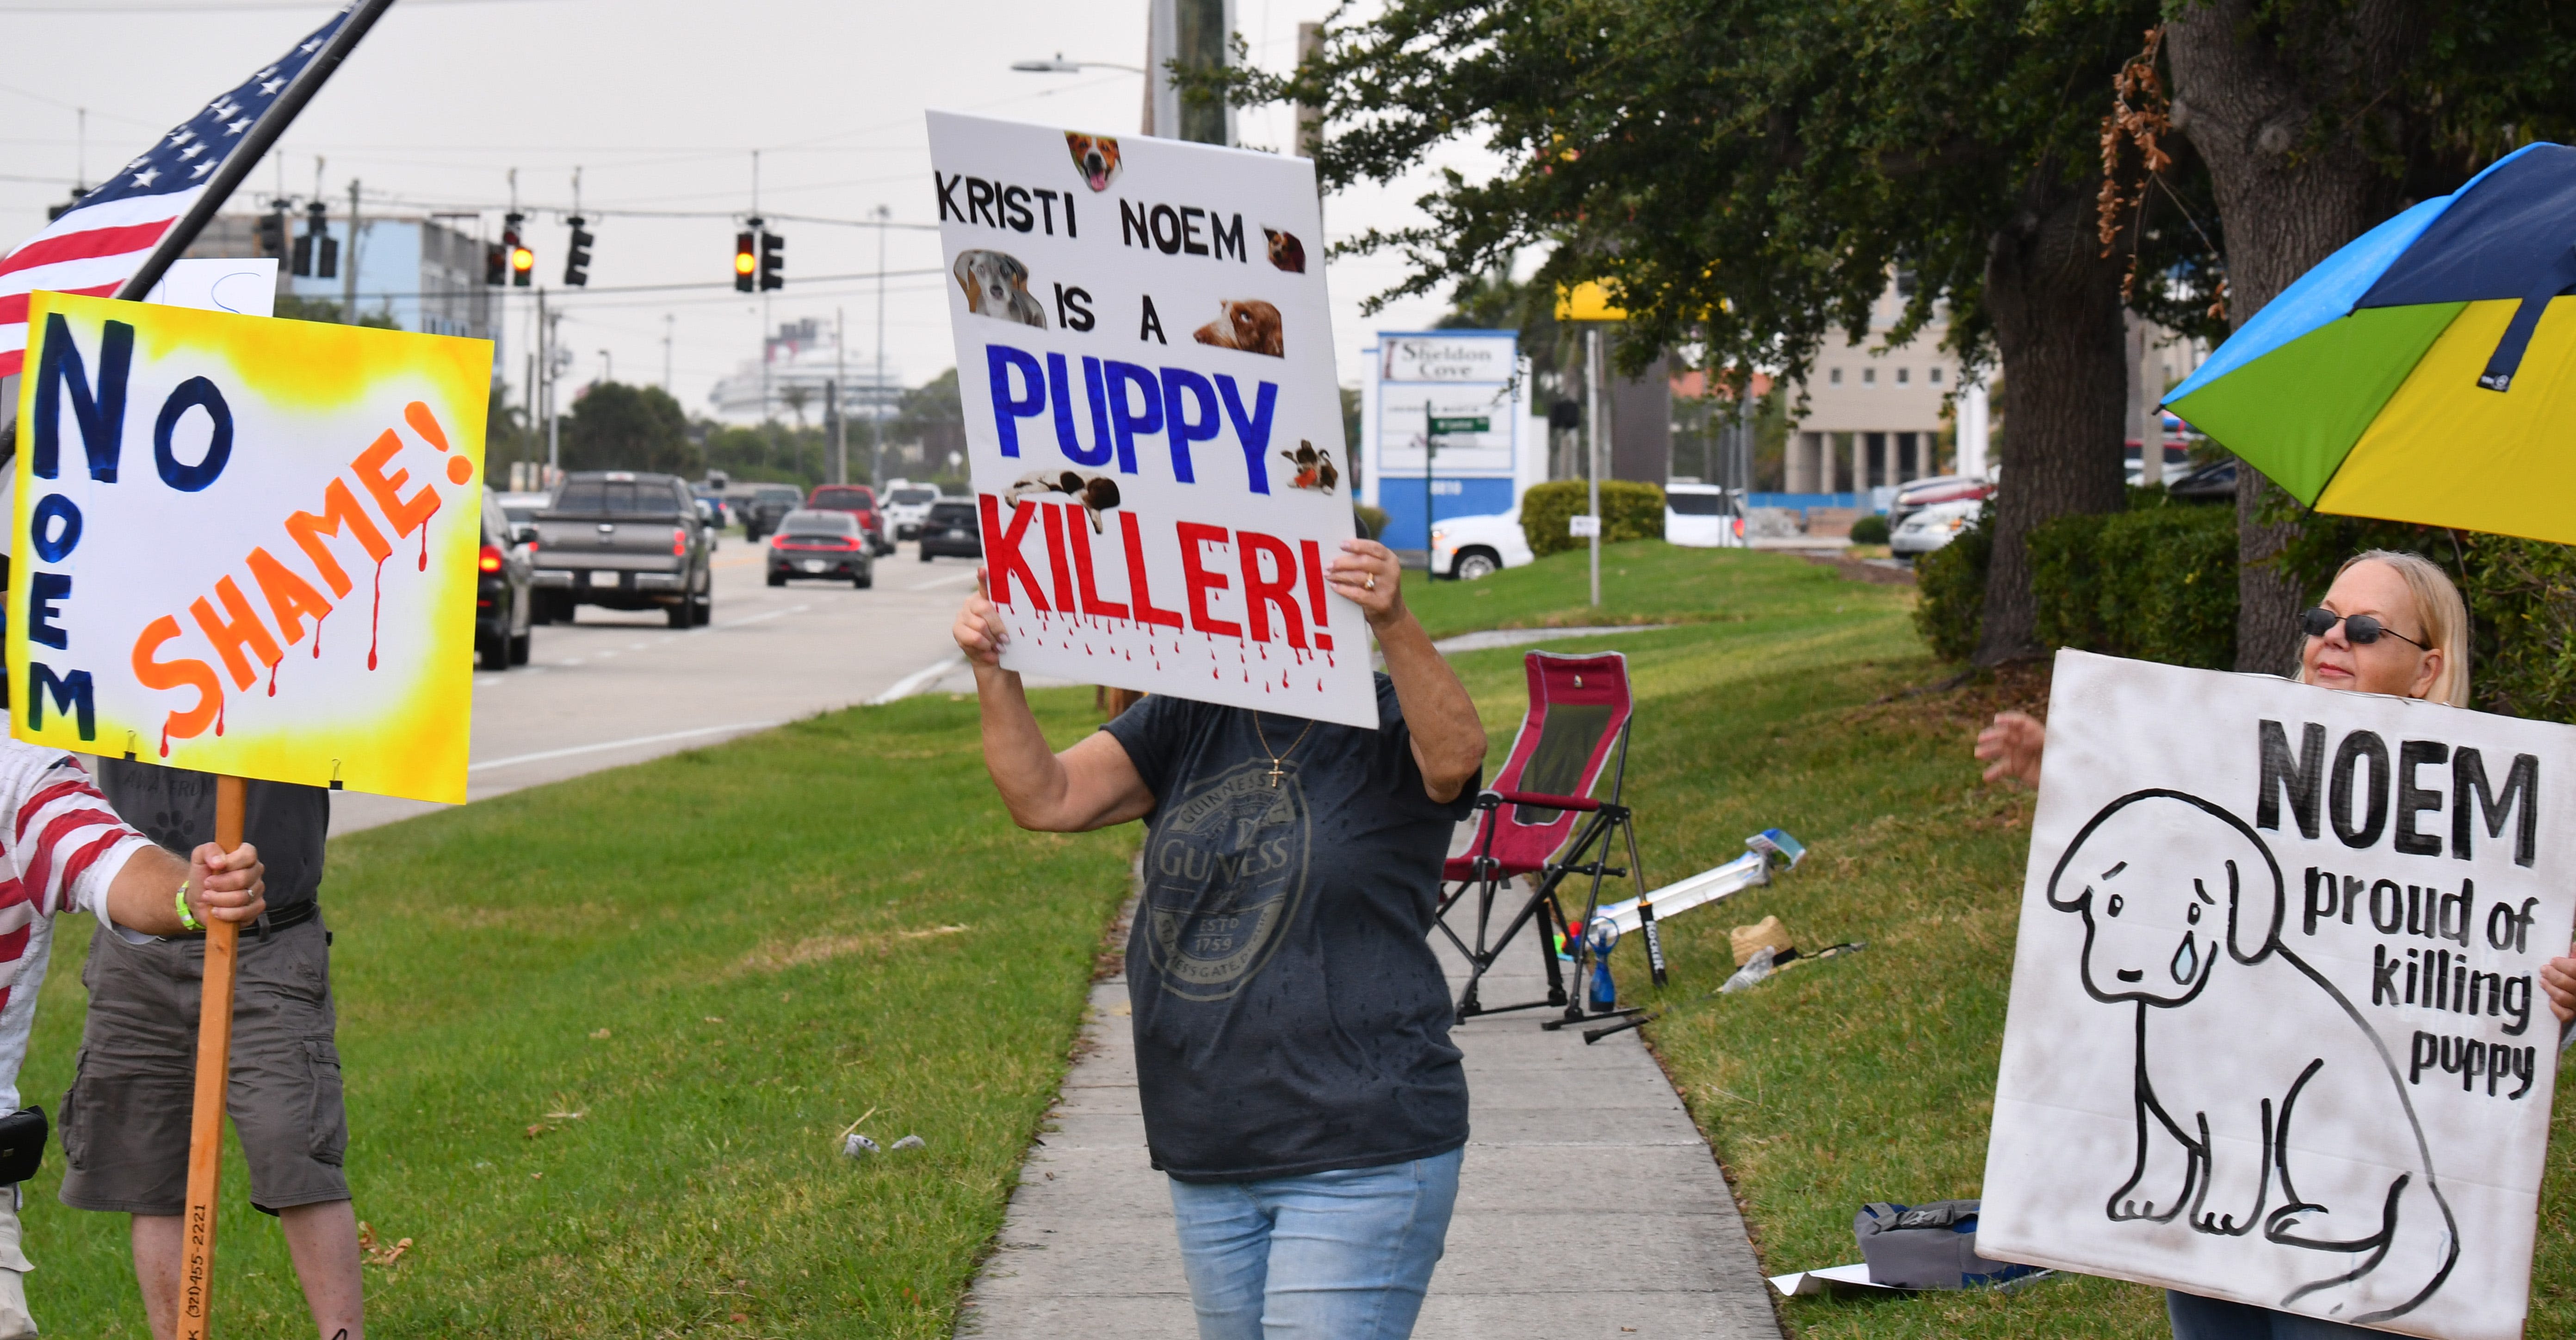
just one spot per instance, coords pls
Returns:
(1578, 719)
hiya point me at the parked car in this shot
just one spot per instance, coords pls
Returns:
(1466, 548)
(522, 508)
(859, 501)
(1922, 493)
(1930, 528)
(2214, 482)
(504, 590)
(2133, 455)
(905, 507)
(822, 544)
(719, 513)
(769, 504)
(1703, 516)
(625, 540)
(951, 529)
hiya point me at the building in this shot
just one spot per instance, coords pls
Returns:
(1873, 415)
(424, 273)
(789, 379)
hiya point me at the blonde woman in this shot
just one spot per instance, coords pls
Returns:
(2392, 623)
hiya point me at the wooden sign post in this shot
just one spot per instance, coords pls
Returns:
(214, 1074)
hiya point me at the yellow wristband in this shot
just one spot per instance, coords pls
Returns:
(186, 919)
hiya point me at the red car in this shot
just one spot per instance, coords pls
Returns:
(860, 501)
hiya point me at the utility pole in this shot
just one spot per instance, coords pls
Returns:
(667, 319)
(528, 403)
(832, 396)
(1592, 343)
(877, 394)
(349, 263)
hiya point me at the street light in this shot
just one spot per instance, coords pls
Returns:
(1060, 65)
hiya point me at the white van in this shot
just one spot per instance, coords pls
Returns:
(1469, 547)
(1703, 516)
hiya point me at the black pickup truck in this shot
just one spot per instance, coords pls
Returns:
(625, 540)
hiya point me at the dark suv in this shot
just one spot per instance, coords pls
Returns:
(768, 504)
(504, 589)
(625, 540)
(951, 529)
(860, 501)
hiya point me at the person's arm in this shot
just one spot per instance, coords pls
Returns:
(2011, 747)
(222, 886)
(1091, 785)
(1448, 740)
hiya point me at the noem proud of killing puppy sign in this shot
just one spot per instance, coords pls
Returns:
(248, 546)
(1145, 356)
(2276, 1032)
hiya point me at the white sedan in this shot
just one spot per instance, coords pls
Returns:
(1469, 547)
(1933, 527)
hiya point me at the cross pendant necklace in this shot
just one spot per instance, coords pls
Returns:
(1262, 733)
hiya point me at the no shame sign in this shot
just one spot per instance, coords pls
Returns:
(247, 546)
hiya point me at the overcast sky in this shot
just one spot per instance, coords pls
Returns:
(660, 103)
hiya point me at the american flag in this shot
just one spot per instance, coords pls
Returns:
(99, 243)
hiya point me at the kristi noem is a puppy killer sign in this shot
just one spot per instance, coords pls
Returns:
(1145, 355)
(2276, 1031)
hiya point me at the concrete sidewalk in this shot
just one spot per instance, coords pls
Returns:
(1588, 1204)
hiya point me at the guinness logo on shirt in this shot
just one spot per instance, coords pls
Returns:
(1224, 871)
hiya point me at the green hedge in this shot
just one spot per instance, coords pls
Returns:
(1370, 521)
(1950, 588)
(1871, 529)
(2156, 583)
(1630, 511)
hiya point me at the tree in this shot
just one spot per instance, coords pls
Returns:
(614, 426)
(931, 416)
(2320, 118)
(1746, 176)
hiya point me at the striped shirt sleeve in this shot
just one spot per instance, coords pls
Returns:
(64, 840)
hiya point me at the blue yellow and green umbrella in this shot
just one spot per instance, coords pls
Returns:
(2425, 373)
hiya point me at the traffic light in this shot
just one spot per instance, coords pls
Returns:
(496, 264)
(272, 230)
(521, 259)
(577, 256)
(746, 260)
(773, 266)
(317, 253)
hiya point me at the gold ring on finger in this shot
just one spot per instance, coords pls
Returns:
(1372, 581)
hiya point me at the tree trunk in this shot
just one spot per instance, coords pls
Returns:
(2055, 302)
(2286, 200)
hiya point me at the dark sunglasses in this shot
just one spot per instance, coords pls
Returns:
(2359, 629)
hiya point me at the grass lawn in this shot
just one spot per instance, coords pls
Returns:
(1868, 1077)
(718, 961)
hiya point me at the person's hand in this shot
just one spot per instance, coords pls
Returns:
(2011, 747)
(1366, 574)
(227, 886)
(979, 629)
(2558, 980)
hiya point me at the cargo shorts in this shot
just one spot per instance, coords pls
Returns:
(125, 1119)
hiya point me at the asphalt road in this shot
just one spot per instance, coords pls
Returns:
(615, 688)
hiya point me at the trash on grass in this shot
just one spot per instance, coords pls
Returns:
(1930, 1246)
(910, 1142)
(855, 1145)
(1751, 974)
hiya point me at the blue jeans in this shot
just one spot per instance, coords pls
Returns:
(1327, 1256)
(2198, 1318)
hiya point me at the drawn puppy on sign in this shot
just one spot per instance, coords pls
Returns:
(1096, 493)
(1095, 157)
(2291, 1128)
(1248, 324)
(1314, 468)
(997, 285)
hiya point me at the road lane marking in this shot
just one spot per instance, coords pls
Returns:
(640, 740)
(758, 618)
(917, 681)
(951, 580)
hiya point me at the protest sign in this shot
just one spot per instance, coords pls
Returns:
(1145, 359)
(2276, 1032)
(247, 546)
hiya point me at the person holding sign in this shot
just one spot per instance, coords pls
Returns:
(63, 850)
(129, 1107)
(2392, 623)
(1291, 1022)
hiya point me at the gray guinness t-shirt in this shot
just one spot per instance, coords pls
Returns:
(1290, 1017)
(175, 808)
